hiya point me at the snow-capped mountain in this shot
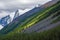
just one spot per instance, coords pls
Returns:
(16, 14)
(6, 19)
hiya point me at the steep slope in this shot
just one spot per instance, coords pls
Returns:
(19, 20)
(5, 20)
(30, 21)
(48, 16)
(20, 12)
(16, 14)
(45, 24)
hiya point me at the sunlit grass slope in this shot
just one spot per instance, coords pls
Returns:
(34, 19)
(52, 34)
(40, 16)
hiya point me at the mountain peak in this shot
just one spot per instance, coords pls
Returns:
(5, 20)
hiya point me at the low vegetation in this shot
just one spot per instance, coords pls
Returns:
(52, 34)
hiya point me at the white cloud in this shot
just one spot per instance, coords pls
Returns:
(12, 5)
(6, 6)
(16, 4)
(3, 14)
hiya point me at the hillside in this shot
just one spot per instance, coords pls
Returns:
(35, 23)
(25, 18)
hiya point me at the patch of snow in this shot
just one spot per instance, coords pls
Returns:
(1, 27)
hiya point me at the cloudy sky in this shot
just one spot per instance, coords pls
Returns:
(11, 5)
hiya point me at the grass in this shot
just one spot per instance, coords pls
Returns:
(52, 34)
(33, 21)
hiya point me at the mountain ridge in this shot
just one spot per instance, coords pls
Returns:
(17, 21)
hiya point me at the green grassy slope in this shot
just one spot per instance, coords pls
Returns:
(34, 19)
(52, 34)
(41, 15)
